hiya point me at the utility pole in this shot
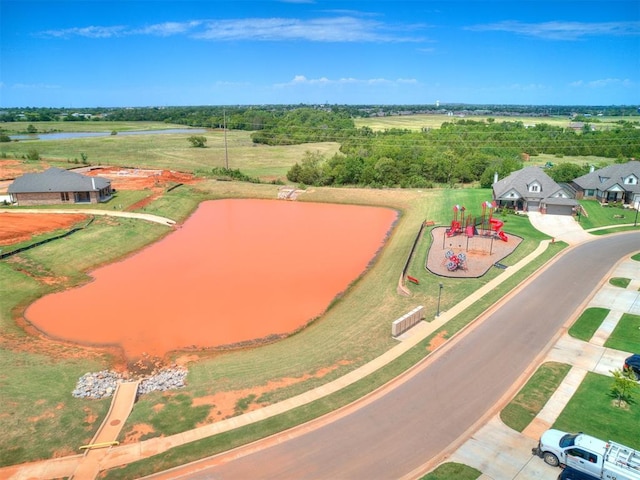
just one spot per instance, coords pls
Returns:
(226, 151)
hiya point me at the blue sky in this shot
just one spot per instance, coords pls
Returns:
(166, 53)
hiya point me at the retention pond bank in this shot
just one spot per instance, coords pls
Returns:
(237, 271)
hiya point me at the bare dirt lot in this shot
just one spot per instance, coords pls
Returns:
(140, 179)
(19, 227)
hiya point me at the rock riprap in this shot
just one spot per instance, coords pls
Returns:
(102, 384)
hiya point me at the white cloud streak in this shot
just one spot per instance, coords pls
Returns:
(301, 80)
(604, 83)
(561, 30)
(86, 32)
(330, 29)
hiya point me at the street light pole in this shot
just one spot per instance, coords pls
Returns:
(439, 295)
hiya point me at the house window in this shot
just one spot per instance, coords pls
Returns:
(534, 188)
(64, 196)
(630, 180)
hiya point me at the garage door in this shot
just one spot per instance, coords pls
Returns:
(559, 209)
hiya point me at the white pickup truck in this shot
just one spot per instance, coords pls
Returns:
(605, 460)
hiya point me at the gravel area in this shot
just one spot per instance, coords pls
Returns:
(103, 384)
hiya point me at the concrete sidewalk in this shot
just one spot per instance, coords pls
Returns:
(504, 454)
(491, 449)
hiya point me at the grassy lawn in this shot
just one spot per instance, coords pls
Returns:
(598, 216)
(534, 395)
(449, 471)
(38, 376)
(620, 282)
(626, 335)
(593, 410)
(36, 390)
(588, 322)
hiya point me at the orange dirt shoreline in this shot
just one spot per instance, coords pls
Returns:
(20, 227)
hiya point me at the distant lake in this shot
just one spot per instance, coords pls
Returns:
(70, 135)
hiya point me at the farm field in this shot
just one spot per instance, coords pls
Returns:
(418, 122)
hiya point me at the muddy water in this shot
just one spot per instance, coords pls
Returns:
(236, 271)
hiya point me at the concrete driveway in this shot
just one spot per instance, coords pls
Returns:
(560, 227)
(504, 454)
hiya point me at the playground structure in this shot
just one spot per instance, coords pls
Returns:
(456, 225)
(489, 226)
(455, 262)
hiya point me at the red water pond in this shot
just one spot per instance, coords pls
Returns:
(235, 271)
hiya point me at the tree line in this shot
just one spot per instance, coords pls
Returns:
(459, 152)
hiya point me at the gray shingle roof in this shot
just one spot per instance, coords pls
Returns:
(605, 178)
(520, 181)
(561, 201)
(57, 180)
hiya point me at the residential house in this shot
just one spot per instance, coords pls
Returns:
(619, 182)
(532, 190)
(57, 186)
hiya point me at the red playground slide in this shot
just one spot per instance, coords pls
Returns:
(455, 229)
(496, 225)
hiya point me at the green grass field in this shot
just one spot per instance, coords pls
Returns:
(626, 335)
(344, 339)
(36, 390)
(598, 215)
(534, 395)
(448, 471)
(588, 322)
(419, 122)
(593, 410)
(168, 151)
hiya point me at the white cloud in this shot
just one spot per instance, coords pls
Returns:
(87, 32)
(335, 29)
(330, 29)
(301, 80)
(604, 83)
(34, 86)
(168, 28)
(561, 30)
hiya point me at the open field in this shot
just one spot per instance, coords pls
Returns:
(13, 128)
(171, 151)
(419, 122)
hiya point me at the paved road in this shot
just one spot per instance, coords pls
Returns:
(397, 433)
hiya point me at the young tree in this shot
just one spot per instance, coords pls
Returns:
(198, 141)
(624, 383)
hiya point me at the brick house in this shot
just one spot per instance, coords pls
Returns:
(532, 190)
(57, 186)
(619, 182)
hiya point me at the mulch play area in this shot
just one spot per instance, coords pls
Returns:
(473, 256)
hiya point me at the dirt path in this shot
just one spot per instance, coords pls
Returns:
(141, 216)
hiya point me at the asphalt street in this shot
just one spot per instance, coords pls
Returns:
(421, 416)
